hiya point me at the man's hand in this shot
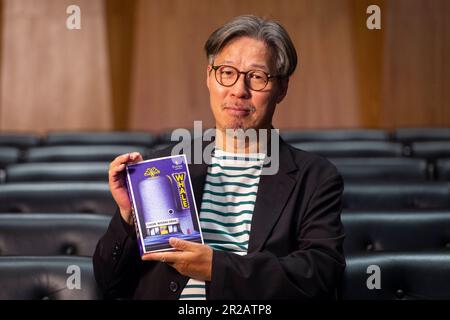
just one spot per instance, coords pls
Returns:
(191, 259)
(117, 184)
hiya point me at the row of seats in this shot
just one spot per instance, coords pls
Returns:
(29, 140)
(94, 197)
(396, 211)
(405, 276)
(352, 169)
(403, 135)
(148, 139)
(11, 155)
(366, 232)
(430, 151)
(364, 148)
(378, 273)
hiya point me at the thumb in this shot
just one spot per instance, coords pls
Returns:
(181, 244)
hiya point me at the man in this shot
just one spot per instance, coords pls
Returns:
(275, 236)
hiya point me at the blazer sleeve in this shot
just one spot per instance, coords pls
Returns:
(116, 260)
(312, 270)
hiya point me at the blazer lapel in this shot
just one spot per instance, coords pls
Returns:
(273, 193)
(198, 175)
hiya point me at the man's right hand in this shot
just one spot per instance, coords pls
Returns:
(117, 183)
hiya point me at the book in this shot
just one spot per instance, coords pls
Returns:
(163, 203)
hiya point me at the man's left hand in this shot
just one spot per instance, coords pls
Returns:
(191, 259)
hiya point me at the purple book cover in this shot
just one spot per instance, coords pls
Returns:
(163, 203)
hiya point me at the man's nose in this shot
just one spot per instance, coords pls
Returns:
(240, 88)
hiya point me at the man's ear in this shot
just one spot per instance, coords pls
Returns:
(282, 90)
(208, 71)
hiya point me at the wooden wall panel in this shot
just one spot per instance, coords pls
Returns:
(446, 64)
(53, 78)
(140, 64)
(169, 63)
(120, 29)
(368, 50)
(416, 72)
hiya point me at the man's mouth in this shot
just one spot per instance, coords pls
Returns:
(238, 110)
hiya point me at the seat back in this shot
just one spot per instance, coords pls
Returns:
(392, 276)
(133, 138)
(63, 197)
(443, 169)
(392, 169)
(431, 150)
(50, 234)
(334, 135)
(408, 135)
(48, 278)
(398, 195)
(390, 230)
(9, 155)
(89, 153)
(338, 149)
(19, 140)
(66, 171)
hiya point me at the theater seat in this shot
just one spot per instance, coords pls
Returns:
(398, 195)
(431, 150)
(93, 153)
(50, 234)
(408, 135)
(335, 135)
(443, 169)
(390, 230)
(19, 140)
(337, 149)
(9, 155)
(66, 171)
(62, 197)
(392, 169)
(405, 275)
(133, 138)
(47, 278)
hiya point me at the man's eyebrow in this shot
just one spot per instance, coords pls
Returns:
(226, 62)
(253, 65)
(261, 66)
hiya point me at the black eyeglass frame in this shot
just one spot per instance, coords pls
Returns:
(269, 76)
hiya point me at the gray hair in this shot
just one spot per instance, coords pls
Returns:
(269, 31)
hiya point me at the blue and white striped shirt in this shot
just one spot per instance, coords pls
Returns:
(227, 207)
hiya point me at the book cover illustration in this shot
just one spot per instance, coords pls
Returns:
(163, 203)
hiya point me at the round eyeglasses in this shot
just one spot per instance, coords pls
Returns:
(227, 76)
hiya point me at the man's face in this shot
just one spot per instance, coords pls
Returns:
(239, 107)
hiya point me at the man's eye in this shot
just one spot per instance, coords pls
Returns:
(256, 76)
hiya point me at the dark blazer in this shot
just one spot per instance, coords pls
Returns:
(294, 251)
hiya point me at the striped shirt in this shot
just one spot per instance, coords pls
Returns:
(227, 207)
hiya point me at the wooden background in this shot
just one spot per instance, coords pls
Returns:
(140, 64)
